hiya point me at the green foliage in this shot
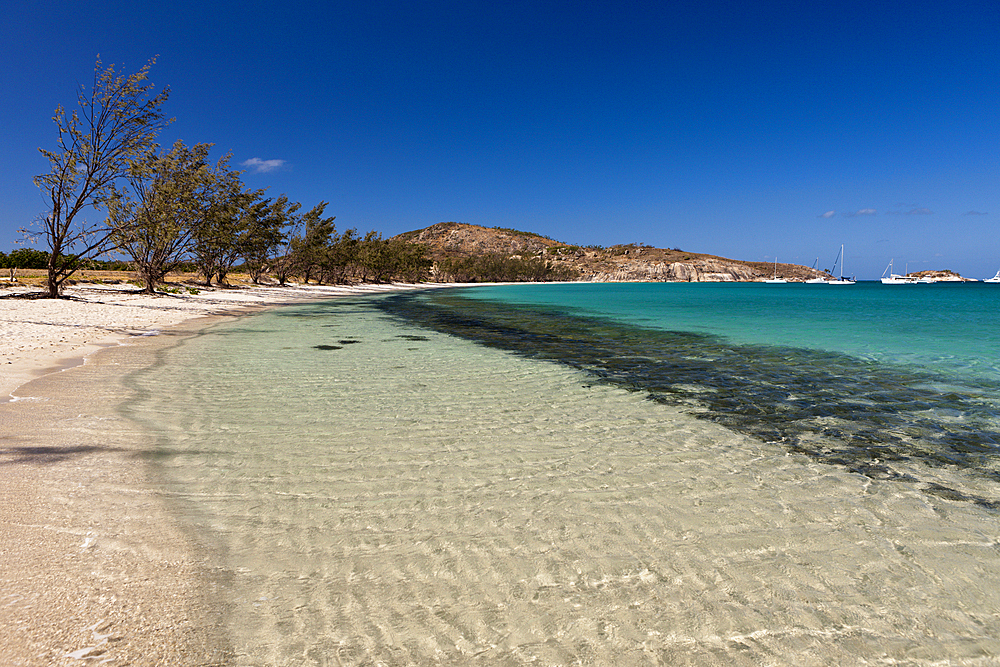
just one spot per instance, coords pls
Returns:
(517, 232)
(308, 252)
(563, 250)
(226, 224)
(626, 248)
(24, 258)
(342, 256)
(384, 260)
(168, 201)
(264, 232)
(497, 268)
(328, 257)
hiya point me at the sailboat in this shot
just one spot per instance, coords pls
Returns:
(816, 281)
(776, 280)
(895, 278)
(842, 280)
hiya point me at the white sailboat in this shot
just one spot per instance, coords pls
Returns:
(776, 280)
(895, 278)
(842, 280)
(816, 281)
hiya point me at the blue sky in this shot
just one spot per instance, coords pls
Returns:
(743, 129)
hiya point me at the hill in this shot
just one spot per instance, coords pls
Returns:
(938, 276)
(620, 263)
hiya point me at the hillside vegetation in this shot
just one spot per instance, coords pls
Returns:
(454, 244)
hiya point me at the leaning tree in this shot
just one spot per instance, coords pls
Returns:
(116, 123)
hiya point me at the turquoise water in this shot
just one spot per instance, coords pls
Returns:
(953, 327)
(595, 474)
(817, 368)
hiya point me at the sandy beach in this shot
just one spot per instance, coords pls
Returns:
(92, 570)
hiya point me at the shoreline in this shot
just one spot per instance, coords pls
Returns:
(92, 567)
(41, 336)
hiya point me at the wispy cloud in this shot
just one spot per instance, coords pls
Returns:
(828, 214)
(976, 213)
(914, 211)
(864, 211)
(259, 166)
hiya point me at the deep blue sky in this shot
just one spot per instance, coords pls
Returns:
(744, 129)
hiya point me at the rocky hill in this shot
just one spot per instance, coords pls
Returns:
(621, 263)
(943, 276)
(456, 239)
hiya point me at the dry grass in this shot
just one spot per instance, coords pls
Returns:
(36, 278)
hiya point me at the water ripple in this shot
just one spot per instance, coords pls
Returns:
(836, 408)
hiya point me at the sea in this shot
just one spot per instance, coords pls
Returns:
(594, 474)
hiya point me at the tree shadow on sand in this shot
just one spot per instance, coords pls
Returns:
(48, 455)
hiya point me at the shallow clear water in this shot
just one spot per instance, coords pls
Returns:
(541, 475)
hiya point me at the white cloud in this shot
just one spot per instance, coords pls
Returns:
(864, 211)
(262, 166)
(828, 214)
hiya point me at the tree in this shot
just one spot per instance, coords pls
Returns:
(116, 123)
(341, 257)
(28, 258)
(155, 218)
(217, 242)
(282, 265)
(495, 267)
(266, 222)
(411, 261)
(309, 251)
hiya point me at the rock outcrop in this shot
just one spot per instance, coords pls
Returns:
(942, 276)
(695, 271)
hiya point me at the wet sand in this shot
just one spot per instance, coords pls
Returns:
(92, 567)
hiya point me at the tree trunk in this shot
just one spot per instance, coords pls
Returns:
(53, 284)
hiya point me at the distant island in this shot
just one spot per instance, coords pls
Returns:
(945, 276)
(458, 244)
